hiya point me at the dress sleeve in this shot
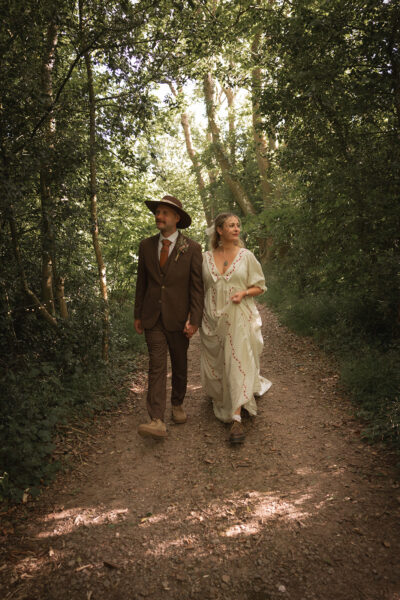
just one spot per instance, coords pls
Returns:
(255, 275)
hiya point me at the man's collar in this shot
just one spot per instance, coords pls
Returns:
(172, 238)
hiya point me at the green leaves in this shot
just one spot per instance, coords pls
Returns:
(336, 225)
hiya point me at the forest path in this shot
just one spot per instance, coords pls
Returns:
(303, 510)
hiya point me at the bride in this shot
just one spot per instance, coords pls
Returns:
(231, 326)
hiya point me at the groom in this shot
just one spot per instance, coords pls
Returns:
(168, 308)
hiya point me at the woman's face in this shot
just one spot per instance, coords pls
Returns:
(230, 230)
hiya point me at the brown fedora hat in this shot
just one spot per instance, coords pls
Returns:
(172, 202)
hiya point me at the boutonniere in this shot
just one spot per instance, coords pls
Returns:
(182, 246)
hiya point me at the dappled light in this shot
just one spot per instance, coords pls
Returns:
(286, 116)
(193, 388)
(237, 515)
(292, 508)
(258, 509)
(68, 520)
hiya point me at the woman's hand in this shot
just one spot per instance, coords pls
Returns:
(238, 297)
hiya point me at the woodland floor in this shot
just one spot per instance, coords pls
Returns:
(303, 510)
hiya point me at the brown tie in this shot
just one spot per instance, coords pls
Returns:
(164, 252)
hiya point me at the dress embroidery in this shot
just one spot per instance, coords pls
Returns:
(231, 336)
(230, 269)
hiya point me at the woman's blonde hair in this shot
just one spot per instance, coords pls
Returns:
(219, 222)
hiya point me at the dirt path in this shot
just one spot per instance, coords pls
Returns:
(303, 510)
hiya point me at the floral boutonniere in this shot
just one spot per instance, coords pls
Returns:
(182, 245)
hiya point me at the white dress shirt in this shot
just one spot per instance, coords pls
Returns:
(172, 238)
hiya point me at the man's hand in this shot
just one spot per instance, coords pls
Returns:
(189, 329)
(138, 326)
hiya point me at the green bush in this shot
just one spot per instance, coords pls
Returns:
(123, 332)
(373, 377)
(352, 327)
(54, 383)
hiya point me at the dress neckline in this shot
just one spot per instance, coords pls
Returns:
(233, 263)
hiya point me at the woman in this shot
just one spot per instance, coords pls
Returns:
(231, 326)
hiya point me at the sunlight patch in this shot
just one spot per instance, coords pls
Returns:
(69, 520)
(183, 543)
(242, 529)
(136, 388)
(304, 471)
(241, 515)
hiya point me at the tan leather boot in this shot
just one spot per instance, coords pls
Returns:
(178, 414)
(155, 429)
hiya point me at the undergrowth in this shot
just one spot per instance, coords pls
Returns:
(41, 392)
(367, 354)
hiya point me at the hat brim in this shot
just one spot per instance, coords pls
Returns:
(184, 221)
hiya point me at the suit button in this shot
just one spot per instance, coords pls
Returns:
(159, 302)
(163, 287)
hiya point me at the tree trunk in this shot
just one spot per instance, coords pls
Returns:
(212, 177)
(231, 180)
(93, 210)
(395, 60)
(60, 297)
(40, 308)
(230, 96)
(260, 141)
(195, 161)
(197, 167)
(45, 168)
(261, 147)
(8, 314)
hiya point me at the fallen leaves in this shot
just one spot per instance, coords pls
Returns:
(188, 495)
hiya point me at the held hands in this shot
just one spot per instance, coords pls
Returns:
(138, 326)
(189, 329)
(238, 297)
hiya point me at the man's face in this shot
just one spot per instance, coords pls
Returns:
(166, 219)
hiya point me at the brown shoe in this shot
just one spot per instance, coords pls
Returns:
(237, 433)
(178, 414)
(155, 429)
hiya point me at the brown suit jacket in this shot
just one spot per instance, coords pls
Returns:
(173, 292)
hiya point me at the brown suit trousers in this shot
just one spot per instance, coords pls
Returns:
(159, 341)
(165, 298)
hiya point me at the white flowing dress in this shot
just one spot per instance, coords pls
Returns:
(231, 336)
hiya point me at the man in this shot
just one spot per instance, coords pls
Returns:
(168, 308)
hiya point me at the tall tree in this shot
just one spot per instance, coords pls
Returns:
(201, 184)
(230, 96)
(94, 224)
(238, 192)
(48, 253)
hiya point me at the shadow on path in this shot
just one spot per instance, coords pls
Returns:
(303, 510)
